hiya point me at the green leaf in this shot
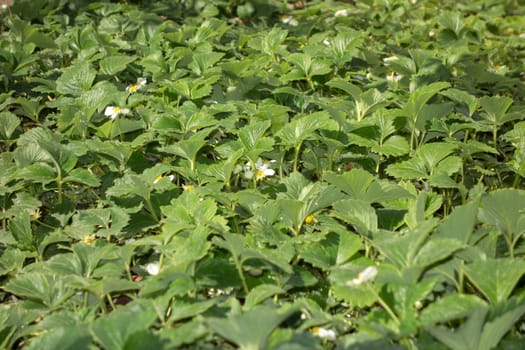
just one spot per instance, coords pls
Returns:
(410, 169)
(395, 145)
(20, 227)
(38, 172)
(189, 211)
(252, 140)
(467, 336)
(9, 122)
(356, 296)
(11, 260)
(189, 148)
(114, 64)
(298, 130)
(108, 285)
(184, 333)
(357, 213)
(420, 97)
(354, 182)
(31, 33)
(462, 97)
(362, 185)
(307, 65)
(436, 250)
(41, 145)
(114, 330)
(495, 278)
(449, 308)
(144, 339)
(353, 90)
(201, 61)
(185, 251)
(67, 338)
(250, 329)
(260, 293)
(76, 79)
(270, 42)
(121, 126)
(82, 176)
(460, 223)
(495, 108)
(349, 245)
(500, 321)
(91, 256)
(185, 308)
(504, 209)
(429, 159)
(102, 94)
(321, 254)
(50, 290)
(402, 249)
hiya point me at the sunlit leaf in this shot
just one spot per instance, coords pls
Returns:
(495, 278)
(76, 79)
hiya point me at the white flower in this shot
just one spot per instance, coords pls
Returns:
(188, 187)
(238, 168)
(160, 177)
(394, 77)
(112, 111)
(324, 333)
(6, 4)
(289, 20)
(341, 13)
(326, 42)
(262, 169)
(367, 275)
(138, 85)
(388, 59)
(497, 68)
(153, 268)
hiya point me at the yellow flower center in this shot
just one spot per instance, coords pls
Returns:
(88, 239)
(35, 215)
(187, 187)
(133, 88)
(259, 174)
(310, 219)
(116, 110)
(157, 179)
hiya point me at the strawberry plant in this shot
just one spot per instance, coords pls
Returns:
(262, 174)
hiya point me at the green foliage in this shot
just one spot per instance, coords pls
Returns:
(262, 174)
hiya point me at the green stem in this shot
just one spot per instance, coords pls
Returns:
(281, 161)
(412, 135)
(495, 137)
(150, 208)
(103, 307)
(4, 220)
(296, 156)
(59, 181)
(460, 278)
(385, 306)
(161, 260)
(378, 163)
(110, 301)
(238, 266)
(516, 181)
(310, 82)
